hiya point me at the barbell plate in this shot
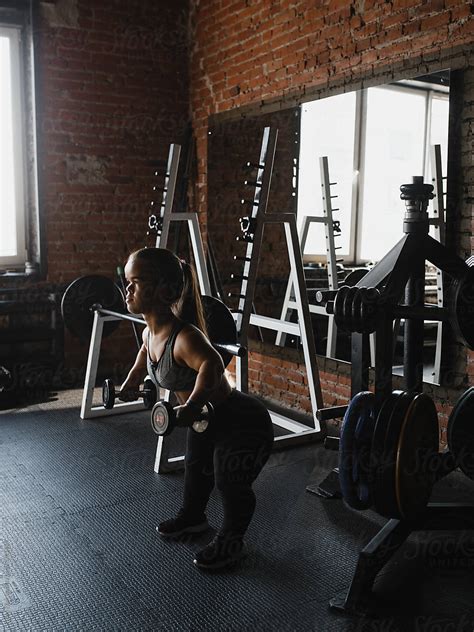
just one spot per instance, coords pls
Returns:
(81, 295)
(462, 316)
(355, 276)
(356, 428)
(339, 306)
(384, 450)
(461, 432)
(416, 457)
(220, 324)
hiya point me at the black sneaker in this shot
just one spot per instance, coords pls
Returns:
(180, 525)
(222, 551)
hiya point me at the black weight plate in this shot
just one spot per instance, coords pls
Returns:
(339, 306)
(81, 295)
(108, 394)
(418, 446)
(461, 432)
(358, 417)
(362, 452)
(162, 416)
(462, 318)
(386, 436)
(356, 311)
(220, 324)
(355, 276)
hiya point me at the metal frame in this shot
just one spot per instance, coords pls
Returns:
(438, 223)
(327, 220)
(244, 316)
(399, 277)
(88, 411)
(20, 181)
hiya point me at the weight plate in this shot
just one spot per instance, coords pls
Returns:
(339, 306)
(220, 325)
(161, 416)
(356, 435)
(417, 449)
(462, 317)
(461, 432)
(108, 394)
(81, 295)
(355, 276)
(384, 450)
(356, 311)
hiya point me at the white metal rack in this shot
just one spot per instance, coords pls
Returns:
(253, 234)
(331, 229)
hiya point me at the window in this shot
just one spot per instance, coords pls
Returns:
(375, 140)
(20, 231)
(12, 151)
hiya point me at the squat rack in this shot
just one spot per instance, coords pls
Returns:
(253, 228)
(160, 223)
(332, 230)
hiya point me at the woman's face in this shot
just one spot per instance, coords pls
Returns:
(141, 295)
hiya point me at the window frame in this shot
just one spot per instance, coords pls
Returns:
(430, 91)
(15, 36)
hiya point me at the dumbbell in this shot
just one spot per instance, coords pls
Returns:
(148, 393)
(163, 418)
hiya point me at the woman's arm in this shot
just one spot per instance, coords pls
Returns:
(136, 373)
(194, 350)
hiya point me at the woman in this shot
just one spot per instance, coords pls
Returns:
(179, 357)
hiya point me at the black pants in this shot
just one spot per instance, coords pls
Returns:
(230, 455)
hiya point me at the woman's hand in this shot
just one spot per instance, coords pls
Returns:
(129, 389)
(186, 415)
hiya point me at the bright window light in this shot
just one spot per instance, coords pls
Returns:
(394, 151)
(327, 129)
(12, 178)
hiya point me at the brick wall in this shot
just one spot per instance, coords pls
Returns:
(112, 91)
(266, 56)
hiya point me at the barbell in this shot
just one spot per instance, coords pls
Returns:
(95, 293)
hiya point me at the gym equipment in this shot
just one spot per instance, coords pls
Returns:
(80, 297)
(163, 418)
(332, 230)
(354, 451)
(404, 448)
(148, 393)
(254, 226)
(85, 296)
(355, 276)
(461, 432)
(404, 457)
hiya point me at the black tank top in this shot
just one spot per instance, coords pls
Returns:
(166, 373)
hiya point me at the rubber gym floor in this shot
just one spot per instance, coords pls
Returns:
(78, 548)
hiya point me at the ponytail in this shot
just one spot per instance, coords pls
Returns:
(189, 306)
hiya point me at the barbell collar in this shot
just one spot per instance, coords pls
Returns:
(323, 296)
